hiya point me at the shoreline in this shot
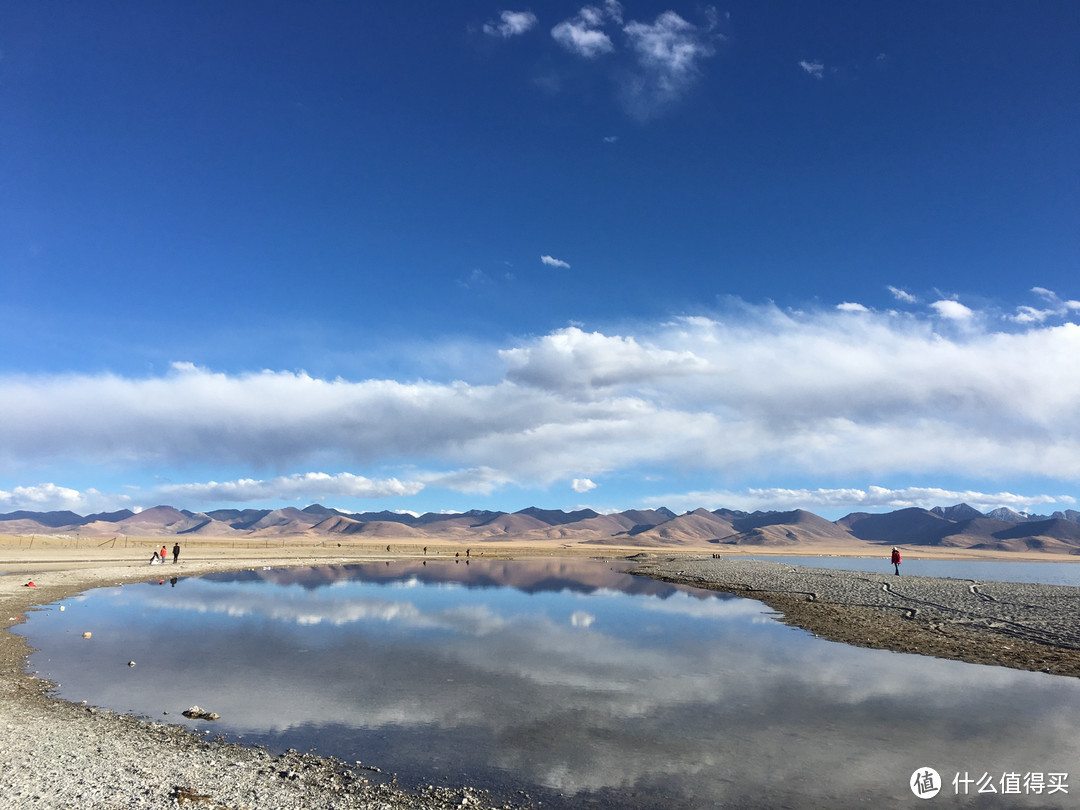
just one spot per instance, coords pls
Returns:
(1019, 625)
(54, 753)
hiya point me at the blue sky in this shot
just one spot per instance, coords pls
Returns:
(438, 256)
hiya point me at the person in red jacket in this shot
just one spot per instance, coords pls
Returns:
(896, 559)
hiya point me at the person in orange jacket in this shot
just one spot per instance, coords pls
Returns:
(896, 559)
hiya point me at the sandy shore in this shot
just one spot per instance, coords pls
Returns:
(54, 754)
(1020, 625)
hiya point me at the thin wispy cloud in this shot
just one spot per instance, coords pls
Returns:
(511, 24)
(309, 486)
(813, 68)
(664, 55)
(851, 306)
(551, 261)
(750, 391)
(902, 296)
(871, 499)
(669, 52)
(1053, 307)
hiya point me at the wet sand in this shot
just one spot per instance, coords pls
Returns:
(1021, 625)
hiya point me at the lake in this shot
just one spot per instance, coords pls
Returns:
(566, 679)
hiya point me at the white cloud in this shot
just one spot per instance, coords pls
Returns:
(473, 481)
(1053, 307)
(572, 360)
(849, 306)
(582, 485)
(42, 497)
(614, 11)
(754, 391)
(551, 261)
(668, 52)
(312, 486)
(579, 618)
(871, 499)
(814, 68)
(665, 53)
(513, 23)
(953, 310)
(902, 296)
(583, 34)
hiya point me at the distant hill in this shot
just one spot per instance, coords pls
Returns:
(958, 526)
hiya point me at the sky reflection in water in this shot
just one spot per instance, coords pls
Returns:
(559, 675)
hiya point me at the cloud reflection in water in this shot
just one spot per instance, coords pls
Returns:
(571, 676)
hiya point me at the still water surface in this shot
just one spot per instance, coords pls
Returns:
(569, 680)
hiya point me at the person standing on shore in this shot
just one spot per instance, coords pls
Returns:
(896, 559)
(176, 553)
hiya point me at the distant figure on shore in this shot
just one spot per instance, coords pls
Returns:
(176, 553)
(156, 559)
(164, 553)
(896, 559)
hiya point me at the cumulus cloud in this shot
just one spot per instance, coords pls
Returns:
(1053, 307)
(551, 261)
(572, 360)
(953, 310)
(813, 68)
(512, 23)
(583, 34)
(42, 497)
(752, 391)
(582, 485)
(850, 306)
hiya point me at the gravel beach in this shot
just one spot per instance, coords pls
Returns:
(1020, 625)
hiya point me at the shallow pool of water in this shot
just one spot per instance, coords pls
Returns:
(569, 680)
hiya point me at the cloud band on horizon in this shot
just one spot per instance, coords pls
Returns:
(757, 392)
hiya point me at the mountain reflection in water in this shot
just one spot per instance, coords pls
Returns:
(564, 678)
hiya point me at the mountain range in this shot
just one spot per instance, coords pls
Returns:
(960, 526)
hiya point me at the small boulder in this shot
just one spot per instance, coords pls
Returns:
(197, 713)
